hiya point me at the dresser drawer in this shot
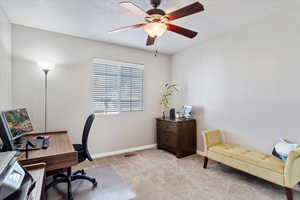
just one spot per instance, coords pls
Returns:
(167, 126)
(167, 138)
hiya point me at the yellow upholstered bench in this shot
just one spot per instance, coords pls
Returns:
(258, 164)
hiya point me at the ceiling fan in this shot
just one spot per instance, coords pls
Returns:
(157, 21)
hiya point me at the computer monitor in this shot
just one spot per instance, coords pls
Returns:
(6, 137)
(18, 122)
(13, 125)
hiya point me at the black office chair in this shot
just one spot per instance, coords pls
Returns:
(83, 154)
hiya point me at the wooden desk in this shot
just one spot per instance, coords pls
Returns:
(37, 171)
(60, 153)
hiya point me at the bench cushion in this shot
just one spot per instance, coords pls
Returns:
(252, 157)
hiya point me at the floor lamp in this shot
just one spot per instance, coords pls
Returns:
(46, 67)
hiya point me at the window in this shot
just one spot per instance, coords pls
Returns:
(118, 87)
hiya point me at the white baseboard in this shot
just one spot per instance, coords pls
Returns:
(201, 153)
(113, 153)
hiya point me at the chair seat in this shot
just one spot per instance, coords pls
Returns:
(81, 152)
(252, 157)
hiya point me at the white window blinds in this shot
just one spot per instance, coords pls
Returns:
(118, 87)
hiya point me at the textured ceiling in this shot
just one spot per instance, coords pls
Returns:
(93, 18)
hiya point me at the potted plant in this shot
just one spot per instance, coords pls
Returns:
(168, 90)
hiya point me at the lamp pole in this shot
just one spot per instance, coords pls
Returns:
(46, 67)
(46, 96)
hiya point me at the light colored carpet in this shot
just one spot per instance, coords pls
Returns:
(158, 175)
(110, 187)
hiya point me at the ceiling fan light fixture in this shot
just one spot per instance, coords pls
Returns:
(155, 29)
(157, 21)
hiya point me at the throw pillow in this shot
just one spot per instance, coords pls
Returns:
(282, 148)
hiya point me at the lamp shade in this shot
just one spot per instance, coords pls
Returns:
(46, 65)
(155, 29)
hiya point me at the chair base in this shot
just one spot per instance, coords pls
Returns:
(68, 178)
(63, 178)
(80, 174)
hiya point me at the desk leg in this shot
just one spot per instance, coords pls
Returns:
(69, 176)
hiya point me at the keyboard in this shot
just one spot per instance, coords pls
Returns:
(37, 144)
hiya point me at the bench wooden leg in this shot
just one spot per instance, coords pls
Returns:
(289, 193)
(205, 162)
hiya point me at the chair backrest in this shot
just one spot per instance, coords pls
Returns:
(85, 135)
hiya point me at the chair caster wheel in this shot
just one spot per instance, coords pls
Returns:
(82, 172)
(70, 197)
(95, 184)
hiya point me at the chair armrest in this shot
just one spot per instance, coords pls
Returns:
(292, 168)
(211, 138)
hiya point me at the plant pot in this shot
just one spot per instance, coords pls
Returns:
(164, 115)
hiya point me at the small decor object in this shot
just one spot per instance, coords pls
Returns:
(187, 111)
(282, 148)
(168, 90)
(172, 113)
(177, 115)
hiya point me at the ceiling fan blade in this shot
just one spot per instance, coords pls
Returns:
(185, 11)
(150, 40)
(134, 9)
(126, 28)
(182, 31)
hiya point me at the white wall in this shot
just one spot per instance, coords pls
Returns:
(5, 62)
(70, 85)
(246, 83)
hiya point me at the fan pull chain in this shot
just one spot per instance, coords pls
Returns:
(156, 49)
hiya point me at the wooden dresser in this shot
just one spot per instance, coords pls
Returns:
(177, 136)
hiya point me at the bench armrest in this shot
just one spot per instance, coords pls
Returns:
(211, 138)
(292, 168)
